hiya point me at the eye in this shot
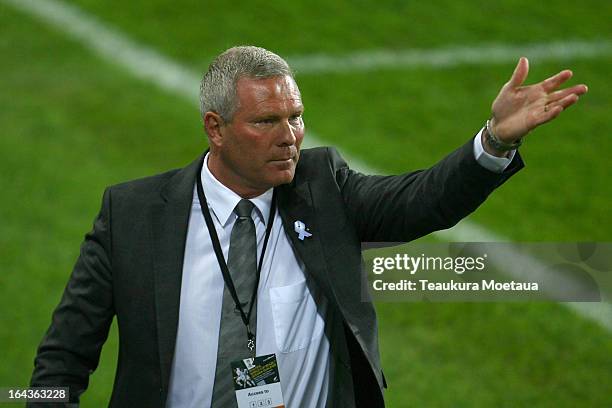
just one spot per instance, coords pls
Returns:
(296, 119)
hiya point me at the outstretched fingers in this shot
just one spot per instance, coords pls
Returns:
(548, 113)
(520, 73)
(576, 90)
(566, 102)
(522, 108)
(553, 109)
(555, 81)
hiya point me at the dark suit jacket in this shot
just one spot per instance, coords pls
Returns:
(130, 265)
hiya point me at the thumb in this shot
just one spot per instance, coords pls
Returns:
(520, 73)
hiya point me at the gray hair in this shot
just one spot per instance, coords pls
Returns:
(218, 87)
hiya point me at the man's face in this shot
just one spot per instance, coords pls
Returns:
(260, 147)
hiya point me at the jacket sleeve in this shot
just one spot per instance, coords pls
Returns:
(405, 207)
(70, 350)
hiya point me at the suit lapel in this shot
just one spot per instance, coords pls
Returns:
(295, 204)
(170, 219)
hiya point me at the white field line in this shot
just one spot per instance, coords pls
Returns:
(449, 57)
(142, 62)
(147, 64)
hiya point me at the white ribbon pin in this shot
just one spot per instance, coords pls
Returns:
(300, 228)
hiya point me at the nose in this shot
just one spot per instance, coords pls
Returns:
(288, 137)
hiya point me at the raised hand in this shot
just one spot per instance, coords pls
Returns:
(518, 109)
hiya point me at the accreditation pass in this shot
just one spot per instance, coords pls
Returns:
(257, 382)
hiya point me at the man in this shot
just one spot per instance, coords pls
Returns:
(254, 249)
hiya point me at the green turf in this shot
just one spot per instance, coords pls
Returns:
(73, 124)
(497, 354)
(194, 31)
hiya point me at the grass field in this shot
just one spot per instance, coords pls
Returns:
(73, 123)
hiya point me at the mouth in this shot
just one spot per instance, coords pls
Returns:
(284, 164)
(282, 160)
(285, 158)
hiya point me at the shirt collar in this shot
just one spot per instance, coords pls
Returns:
(222, 200)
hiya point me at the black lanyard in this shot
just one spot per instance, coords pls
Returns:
(246, 317)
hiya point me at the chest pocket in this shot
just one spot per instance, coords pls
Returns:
(296, 319)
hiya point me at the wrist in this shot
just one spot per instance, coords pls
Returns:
(494, 145)
(488, 148)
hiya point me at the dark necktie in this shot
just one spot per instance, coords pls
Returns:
(242, 265)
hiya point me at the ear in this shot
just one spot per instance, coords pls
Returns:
(212, 124)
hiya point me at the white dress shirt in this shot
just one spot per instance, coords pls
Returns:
(291, 315)
(488, 161)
